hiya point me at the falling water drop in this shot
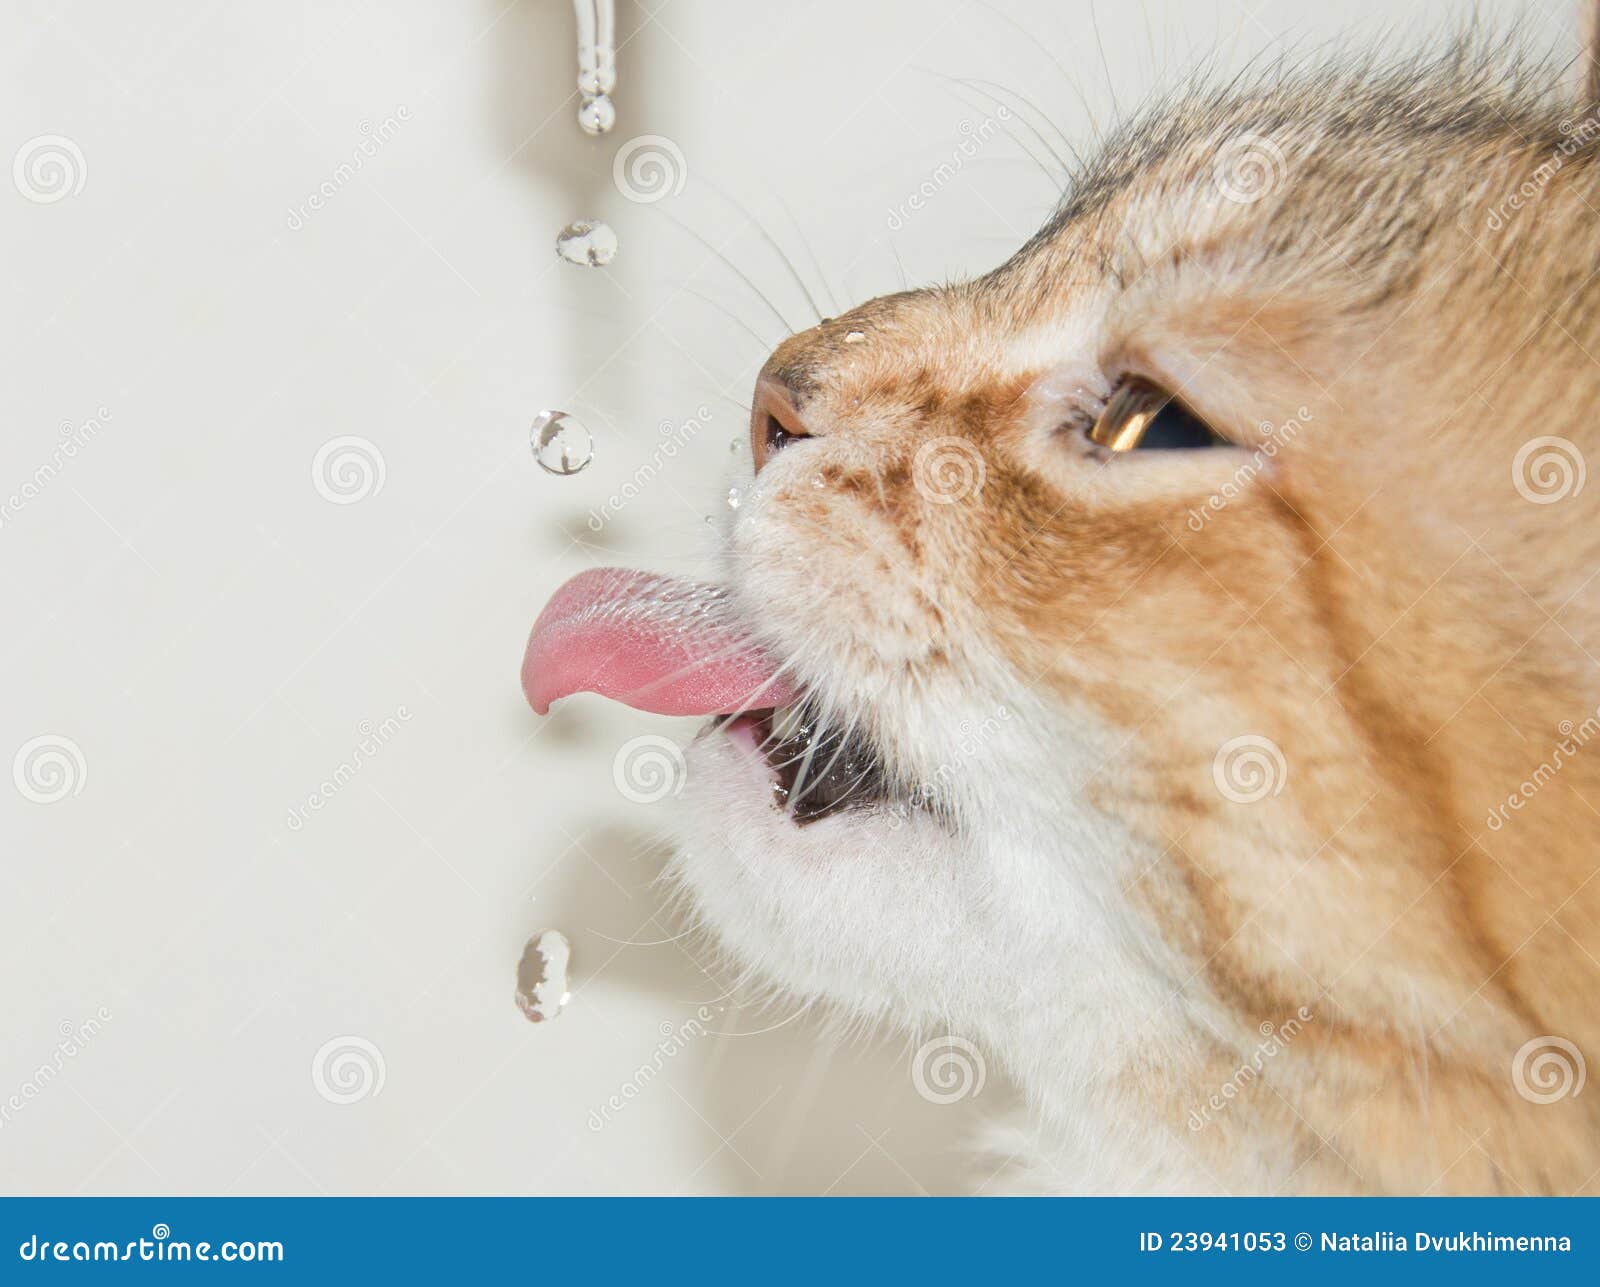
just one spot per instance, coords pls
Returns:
(737, 444)
(597, 63)
(561, 443)
(596, 115)
(735, 496)
(587, 242)
(542, 976)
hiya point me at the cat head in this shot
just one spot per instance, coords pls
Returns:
(1163, 615)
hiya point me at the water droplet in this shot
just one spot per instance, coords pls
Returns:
(587, 242)
(597, 82)
(596, 115)
(737, 444)
(561, 443)
(735, 496)
(597, 63)
(854, 337)
(542, 976)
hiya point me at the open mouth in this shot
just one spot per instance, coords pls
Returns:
(673, 646)
(817, 768)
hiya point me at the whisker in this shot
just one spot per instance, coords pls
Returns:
(772, 242)
(1043, 116)
(766, 344)
(1055, 180)
(730, 265)
(1066, 76)
(833, 300)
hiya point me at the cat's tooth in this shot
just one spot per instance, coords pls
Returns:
(787, 722)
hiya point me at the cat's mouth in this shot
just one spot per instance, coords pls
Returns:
(817, 768)
(675, 647)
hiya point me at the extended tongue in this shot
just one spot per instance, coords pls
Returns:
(658, 643)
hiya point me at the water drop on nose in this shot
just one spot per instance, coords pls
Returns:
(542, 976)
(596, 115)
(587, 242)
(854, 337)
(561, 443)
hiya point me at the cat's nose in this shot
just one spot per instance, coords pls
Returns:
(774, 422)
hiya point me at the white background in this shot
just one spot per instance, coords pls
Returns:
(210, 632)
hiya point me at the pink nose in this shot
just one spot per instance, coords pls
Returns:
(774, 422)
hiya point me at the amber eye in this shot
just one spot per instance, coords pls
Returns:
(1139, 415)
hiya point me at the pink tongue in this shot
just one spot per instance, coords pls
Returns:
(658, 643)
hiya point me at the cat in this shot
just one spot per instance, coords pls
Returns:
(1168, 663)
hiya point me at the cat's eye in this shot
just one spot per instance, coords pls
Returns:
(1139, 415)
